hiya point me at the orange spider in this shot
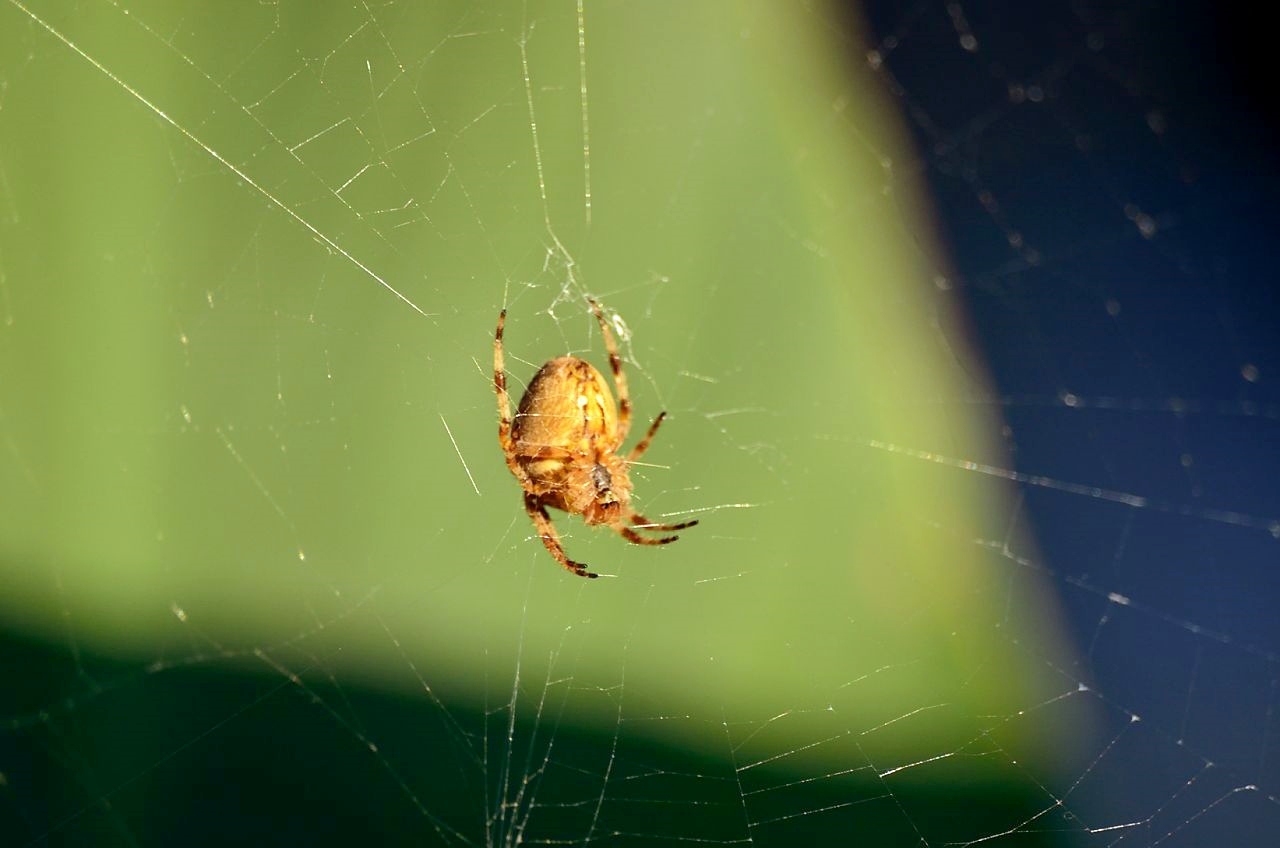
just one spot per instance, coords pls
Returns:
(562, 446)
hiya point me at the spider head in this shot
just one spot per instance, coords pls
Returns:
(609, 496)
(602, 480)
(606, 505)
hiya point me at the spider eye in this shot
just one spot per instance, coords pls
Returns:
(600, 477)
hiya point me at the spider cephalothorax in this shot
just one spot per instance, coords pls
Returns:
(562, 446)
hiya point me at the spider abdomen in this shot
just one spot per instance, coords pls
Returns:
(568, 406)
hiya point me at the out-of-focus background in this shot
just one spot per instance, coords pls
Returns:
(961, 315)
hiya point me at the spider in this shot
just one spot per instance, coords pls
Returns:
(562, 446)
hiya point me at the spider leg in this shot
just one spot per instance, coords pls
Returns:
(550, 538)
(643, 444)
(636, 539)
(500, 382)
(619, 378)
(504, 403)
(636, 518)
(645, 524)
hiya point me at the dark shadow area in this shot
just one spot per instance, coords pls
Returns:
(205, 754)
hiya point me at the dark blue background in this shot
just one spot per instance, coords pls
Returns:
(1165, 110)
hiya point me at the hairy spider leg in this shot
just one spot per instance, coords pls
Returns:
(504, 404)
(636, 518)
(636, 539)
(550, 538)
(645, 524)
(643, 444)
(619, 378)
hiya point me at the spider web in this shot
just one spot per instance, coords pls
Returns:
(266, 577)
